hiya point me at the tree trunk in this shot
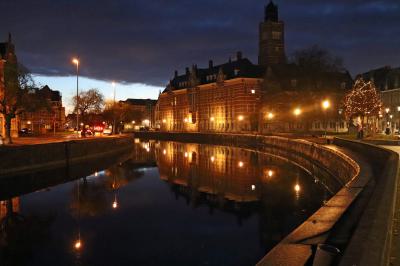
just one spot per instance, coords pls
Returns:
(7, 125)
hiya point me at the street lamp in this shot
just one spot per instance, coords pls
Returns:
(325, 105)
(114, 126)
(76, 62)
(297, 112)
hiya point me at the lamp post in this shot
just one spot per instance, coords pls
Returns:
(114, 126)
(297, 113)
(387, 110)
(76, 62)
(325, 105)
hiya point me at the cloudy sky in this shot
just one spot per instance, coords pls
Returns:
(139, 43)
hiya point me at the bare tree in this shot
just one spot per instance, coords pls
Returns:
(90, 102)
(18, 96)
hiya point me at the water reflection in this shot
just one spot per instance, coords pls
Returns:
(203, 189)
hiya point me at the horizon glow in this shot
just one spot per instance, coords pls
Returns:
(67, 86)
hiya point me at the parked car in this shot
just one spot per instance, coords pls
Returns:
(25, 131)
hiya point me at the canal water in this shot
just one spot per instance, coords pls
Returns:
(165, 203)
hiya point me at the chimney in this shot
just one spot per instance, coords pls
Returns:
(176, 73)
(210, 64)
(239, 55)
(187, 71)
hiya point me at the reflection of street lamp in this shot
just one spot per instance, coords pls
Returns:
(76, 62)
(78, 244)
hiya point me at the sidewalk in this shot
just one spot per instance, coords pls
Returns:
(395, 245)
(50, 138)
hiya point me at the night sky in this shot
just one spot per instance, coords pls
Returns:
(143, 41)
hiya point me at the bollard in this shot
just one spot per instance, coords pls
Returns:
(325, 255)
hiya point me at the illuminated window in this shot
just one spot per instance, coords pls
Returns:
(276, 35)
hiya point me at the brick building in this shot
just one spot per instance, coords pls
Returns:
(45, 119)
(237, 96)
(221, 98)
(7, 55)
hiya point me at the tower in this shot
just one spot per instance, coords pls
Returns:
(271, 38)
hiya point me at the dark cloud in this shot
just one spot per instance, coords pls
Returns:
(145, 41)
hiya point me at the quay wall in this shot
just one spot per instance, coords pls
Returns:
(17, 160)
(371, 241)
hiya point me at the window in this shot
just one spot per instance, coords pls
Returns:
(293, 82)
(276, 35)
(253, 91)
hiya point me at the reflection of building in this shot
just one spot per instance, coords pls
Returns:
(144, 110)
(7, 206)
(47, 118)
(214, 170)
(237, 96)
(7, 55)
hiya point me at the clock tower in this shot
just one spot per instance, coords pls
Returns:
(271, 38)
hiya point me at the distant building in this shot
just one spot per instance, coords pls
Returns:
(237, 96)
(45, 119)
(144, 108)
(7, 55)
(387, 81)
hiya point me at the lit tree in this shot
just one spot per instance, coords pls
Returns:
(362, 101)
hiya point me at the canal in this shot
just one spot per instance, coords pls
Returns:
(164, 203)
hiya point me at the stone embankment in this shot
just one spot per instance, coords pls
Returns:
(17, 160)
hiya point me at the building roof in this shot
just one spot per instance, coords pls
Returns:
(140, 101)
(384, 78)
(6, 47)
(240, 68)
(52, 95)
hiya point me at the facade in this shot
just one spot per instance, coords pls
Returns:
(221, 98)
(7, 55)
(145, 112)
(239, 96)
(46, 119)
(387, 81)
